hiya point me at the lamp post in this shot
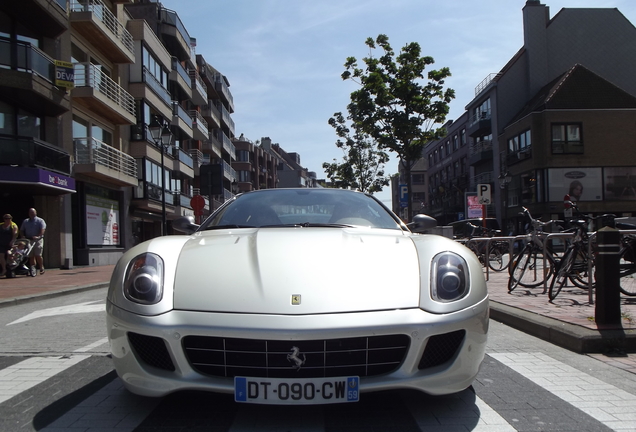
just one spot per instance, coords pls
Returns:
(504, 180)
(161, 135)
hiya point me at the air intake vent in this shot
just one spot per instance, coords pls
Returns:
(151, 350)
(441, 348)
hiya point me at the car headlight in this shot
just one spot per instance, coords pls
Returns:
(449, 277)
(143, 282)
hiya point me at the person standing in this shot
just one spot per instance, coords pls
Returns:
(33, 229)
(8, 235)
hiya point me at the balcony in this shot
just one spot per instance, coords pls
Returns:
(224, 91)
(147, 196)
(211, 114)
(199, 126)
(485, 177)
(98, 160)
(212, 146)
(153, 92)
(181, 119)
(28, 78)
(228, 145)
(175, 36)
(96, 23)
(179, 75)
(479, 152)
(183, 207)
(183, 162)
(199, 89)
(197, 160)
(228, 172)
(225, 116)
(32, 152)
(99, 93)
(479, 124)
(48, 17)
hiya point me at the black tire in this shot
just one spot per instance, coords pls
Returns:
(497, 256)
(562, 273)
(627, 268)
(579, 273)
(518, 267)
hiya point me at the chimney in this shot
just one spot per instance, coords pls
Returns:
(536, 17)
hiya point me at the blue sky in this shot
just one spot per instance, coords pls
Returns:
(284, 58)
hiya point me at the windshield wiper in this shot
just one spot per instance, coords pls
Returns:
(215, 227)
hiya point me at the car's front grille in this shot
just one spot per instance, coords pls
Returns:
(441, 348)
(228, 357)
(151, 350)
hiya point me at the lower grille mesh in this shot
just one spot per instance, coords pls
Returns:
(229, 357)
(441, 348)
(151, 350)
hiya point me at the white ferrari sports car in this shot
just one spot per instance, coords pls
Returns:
(298, 296)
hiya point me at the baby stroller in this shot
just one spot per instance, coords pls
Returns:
(18, 259)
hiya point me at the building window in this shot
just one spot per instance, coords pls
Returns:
(462, 137)
(455, 143)
(520, 142)
(447, 149)
(418, 179)
(566, 139)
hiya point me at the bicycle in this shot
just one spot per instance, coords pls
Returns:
(526, 268)
(577, 260)
(627, 264)
(496, 249)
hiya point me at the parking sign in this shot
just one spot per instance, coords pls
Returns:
(483, 194)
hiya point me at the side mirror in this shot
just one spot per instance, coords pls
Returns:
(185, 224)
(422, 223)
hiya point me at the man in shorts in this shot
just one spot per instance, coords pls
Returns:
(33, 229)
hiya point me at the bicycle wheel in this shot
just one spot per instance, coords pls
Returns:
(562, 273)
(580, 272)
(496, 256)
(627, 268)
(518, 267)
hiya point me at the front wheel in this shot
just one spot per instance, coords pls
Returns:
(497, 259)
(627, 269)
(562, 273)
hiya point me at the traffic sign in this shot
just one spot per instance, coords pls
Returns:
(483, 194)
(198, 203)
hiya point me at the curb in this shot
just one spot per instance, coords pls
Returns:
(575, 338)
(47, 295)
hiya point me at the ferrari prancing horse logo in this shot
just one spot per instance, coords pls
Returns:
(295, 357)
(295, 298)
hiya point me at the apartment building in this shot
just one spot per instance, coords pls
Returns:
(35, 157)
(256, 168)
(560, 113)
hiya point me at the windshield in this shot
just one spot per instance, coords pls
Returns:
(302, 207)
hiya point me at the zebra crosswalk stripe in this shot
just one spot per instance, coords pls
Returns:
(28, 373)
(600, 400)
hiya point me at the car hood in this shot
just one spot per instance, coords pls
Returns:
(295, 271)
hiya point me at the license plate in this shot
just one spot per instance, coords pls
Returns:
(302, 391)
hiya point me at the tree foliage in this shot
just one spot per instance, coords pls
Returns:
(396, 105)
(362, 167)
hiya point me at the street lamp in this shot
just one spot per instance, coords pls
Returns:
(504, 179)
(161, 135)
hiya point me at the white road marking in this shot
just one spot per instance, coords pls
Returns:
(93, 345)
(28, 373)
(86, 307)
(605, 402)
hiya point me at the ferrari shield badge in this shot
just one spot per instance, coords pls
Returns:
(295, 298)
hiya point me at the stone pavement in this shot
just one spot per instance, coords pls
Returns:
(568, 322)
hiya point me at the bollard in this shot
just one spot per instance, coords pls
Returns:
(608, 299)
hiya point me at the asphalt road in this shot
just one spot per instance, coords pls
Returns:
(55, 375)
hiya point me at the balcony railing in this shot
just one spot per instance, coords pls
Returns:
(481, 146)
(89, 75)
(482, 85)
(29, 59)
(170, 17)
(183, 156)
(92, 151)
(197, 156)
(182, 200)
(180, 112)
(228, 170)
(198, 83)
(222, 87)
(198, 121)
(156, 86)
(212, 145)
(176, 66)
(101, 11)
(225, 115)
(32, 152)
(486, 177)
(228, 145)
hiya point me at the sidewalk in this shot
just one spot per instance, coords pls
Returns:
(568, 322)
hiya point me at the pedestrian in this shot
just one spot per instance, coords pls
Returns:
(8, 235)
(33, 229)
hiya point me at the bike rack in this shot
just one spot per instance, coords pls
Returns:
(487, 240)
(546, 242)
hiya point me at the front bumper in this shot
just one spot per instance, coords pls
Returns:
(452, 376)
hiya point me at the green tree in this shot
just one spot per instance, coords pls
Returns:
(362, 166)
(396, 105)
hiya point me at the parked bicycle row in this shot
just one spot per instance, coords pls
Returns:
(553, 253)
